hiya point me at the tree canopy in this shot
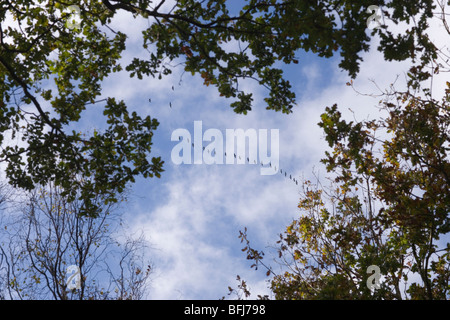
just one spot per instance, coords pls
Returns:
(39, 42)
(49, 250)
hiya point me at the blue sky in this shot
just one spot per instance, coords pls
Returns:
(192, 215)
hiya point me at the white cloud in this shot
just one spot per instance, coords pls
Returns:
(195, 229)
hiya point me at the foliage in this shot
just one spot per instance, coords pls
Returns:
(37, 45)
(388, 205)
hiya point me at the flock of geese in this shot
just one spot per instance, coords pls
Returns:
(262, 164)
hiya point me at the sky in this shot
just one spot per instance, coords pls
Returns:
(192, 215)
